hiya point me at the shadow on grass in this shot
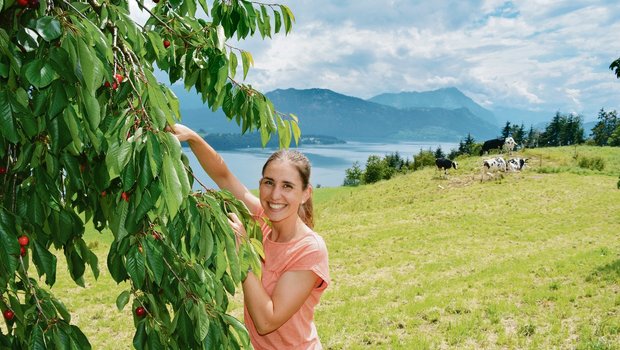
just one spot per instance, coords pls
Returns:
(609, 272)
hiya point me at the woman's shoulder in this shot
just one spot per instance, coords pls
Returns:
(313, 241)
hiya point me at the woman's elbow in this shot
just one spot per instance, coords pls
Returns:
(264, 329)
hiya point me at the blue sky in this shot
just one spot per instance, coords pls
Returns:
(539, 55)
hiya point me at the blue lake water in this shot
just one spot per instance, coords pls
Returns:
(329, 162)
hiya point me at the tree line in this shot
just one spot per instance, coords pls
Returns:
(562, 130)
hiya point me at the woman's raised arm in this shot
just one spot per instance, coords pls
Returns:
(214, 165)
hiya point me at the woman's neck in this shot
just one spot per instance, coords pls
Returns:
(283, 232)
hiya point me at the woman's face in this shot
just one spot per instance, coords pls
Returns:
(281, 191)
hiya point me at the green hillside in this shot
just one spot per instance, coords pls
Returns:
(527, 261)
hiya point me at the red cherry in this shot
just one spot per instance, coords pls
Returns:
(22, 3)
(106, 84)
(166, 43)
(103, 193)
(140, 311)
(125, 196)
(119, 78)
(8, 314)
(22, 251)
(114, 86)
(2, 170)
(23, 240)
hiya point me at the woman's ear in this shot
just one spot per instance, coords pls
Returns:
(307, 194)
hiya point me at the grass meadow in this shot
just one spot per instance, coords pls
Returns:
(529, 260)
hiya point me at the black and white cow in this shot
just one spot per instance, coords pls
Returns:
(492, 165)
(445, 164)
(507, 144)
(516, 164)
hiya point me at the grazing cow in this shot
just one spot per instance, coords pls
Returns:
(507, 144)
(491, 165)
(445, 164)
(516, 164)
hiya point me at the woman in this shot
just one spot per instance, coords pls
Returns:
(279, 308)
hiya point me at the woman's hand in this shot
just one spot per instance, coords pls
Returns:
(182, 132)
(237, 227)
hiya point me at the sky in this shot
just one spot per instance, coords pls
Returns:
(540, 55)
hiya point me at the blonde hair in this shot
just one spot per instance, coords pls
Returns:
(302, 164)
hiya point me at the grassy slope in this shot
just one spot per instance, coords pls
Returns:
(531, 261)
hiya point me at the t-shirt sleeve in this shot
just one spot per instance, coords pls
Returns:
(313, 257)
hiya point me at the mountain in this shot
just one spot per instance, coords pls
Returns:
(447, 98)
(325, 112)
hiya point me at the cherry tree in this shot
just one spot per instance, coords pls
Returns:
(82, 139)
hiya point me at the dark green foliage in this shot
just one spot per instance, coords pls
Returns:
(533, 137)
(563, 130)
(353, 175)
(423, 159)
(466, 147)
(593, 163)
(439, 153)
(507, 130)
(606, 129)
(377, 169)
(615, 66)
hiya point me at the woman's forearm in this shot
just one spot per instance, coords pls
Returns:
(259, 304)
(210, 160)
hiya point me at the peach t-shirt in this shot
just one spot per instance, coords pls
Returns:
(307, 253)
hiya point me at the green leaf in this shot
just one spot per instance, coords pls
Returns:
(61, 338)
(278, 21)
(48, 28)
(154, 259)
(62, 310)
(76, 266)
(122, 300)
(202, 319)
(140, 337)
(117, 157)
(247, 61)
(7, 124)
(8, 245)
(296, 132)
(242, 332)
(36, 341)
(87, 65)
(172, 195)
(136, 267)
(288, 18)
(92, 108)
(45, 263)
(232, 65)
(154, 155)
(39, 73)
(79, 338)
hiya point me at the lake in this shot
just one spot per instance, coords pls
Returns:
(329, 162)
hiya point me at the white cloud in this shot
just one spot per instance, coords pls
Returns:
(538, 54)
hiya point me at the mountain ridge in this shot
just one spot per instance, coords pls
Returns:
(445, 116)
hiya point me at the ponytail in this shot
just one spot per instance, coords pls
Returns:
(306, 212)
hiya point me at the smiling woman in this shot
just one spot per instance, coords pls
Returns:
(279, 305)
